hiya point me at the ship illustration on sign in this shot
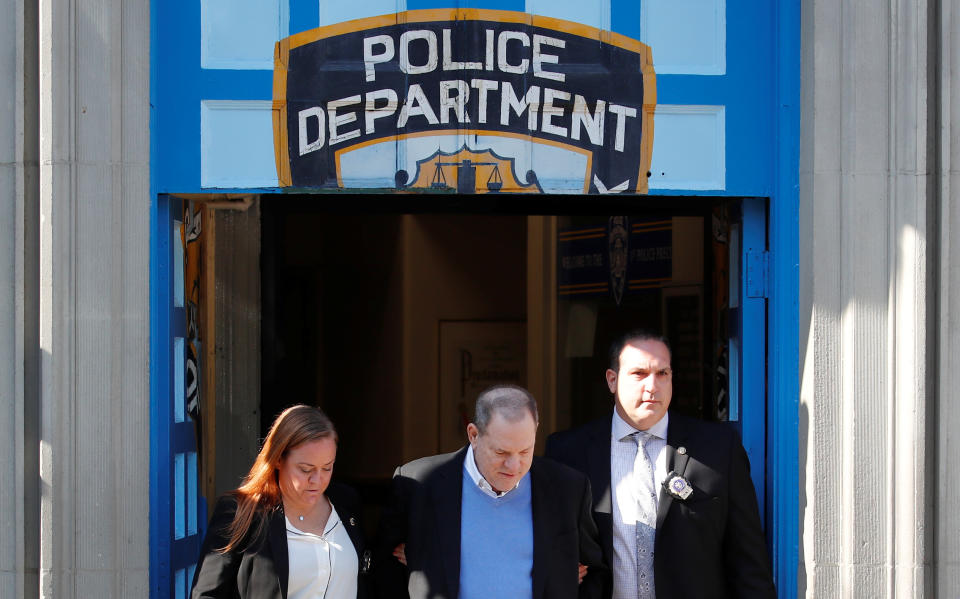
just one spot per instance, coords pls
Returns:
(468, 171)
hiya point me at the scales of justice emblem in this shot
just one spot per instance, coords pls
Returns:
(468, 171)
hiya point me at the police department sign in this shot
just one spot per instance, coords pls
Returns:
(469, 100)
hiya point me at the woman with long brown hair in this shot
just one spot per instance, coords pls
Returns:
(286, 531)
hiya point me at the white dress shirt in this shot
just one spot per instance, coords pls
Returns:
(322, 565)
(470, 464)
(623, 451)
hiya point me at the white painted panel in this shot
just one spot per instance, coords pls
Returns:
(179, 382)
(180, 584)
(192, 492)
(595, 13)
(240, 34)
(178, 278)
(370, 167)
(557, 170)
(689, 148)
(179, 497)
(687, 37)
(337, 11)
(236, 144)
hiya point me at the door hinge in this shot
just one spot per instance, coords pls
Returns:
(758, 273)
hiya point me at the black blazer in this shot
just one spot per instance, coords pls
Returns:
(260, 570)
(708, 546)
(425, 514)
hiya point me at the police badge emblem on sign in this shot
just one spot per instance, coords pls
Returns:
(678, 486)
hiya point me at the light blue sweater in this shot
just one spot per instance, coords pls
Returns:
(496, 543)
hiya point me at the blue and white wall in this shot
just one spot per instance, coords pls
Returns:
(726, 124)
(714, 125)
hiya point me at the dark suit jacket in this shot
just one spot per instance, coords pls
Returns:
(709, 545)
(260, 570)
(425, 514)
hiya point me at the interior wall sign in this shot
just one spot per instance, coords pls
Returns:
(465, 100)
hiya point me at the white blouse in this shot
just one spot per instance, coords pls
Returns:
(322, 566)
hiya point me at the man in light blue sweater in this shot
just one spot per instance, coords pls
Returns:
(491, 520)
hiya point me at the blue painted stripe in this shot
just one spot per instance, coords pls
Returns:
(175, 120)
(304, 15)
(625, 19)
(753, 339)
(784, 353)
(160, 387)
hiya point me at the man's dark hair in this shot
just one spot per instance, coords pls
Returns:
(616, 348)
(510, 401)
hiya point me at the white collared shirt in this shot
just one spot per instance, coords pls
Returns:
(321, 565)
(470, 465)
(623, 452)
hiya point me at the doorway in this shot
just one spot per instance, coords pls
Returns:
(390, 312)
(357, 309)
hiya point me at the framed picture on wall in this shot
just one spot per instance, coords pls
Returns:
(473, 356)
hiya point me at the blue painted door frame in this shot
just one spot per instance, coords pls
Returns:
(177, 513)
(747, 346)
(783, 348)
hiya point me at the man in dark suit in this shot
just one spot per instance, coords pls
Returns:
(490, 520)
(673, 499)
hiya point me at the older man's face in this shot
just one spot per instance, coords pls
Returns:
(504, 451)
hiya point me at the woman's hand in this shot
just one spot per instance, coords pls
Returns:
(399, 552)
(581, 571)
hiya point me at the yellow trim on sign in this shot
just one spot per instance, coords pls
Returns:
(646, 124)
(395, 138)
(281, 147)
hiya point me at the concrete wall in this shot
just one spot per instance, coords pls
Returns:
(868, 307)
(19, 255)
(94, 298)
(947, 481)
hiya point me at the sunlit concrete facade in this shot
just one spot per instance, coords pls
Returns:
(879, 303)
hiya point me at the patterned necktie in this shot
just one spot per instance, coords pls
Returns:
(646, 516)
